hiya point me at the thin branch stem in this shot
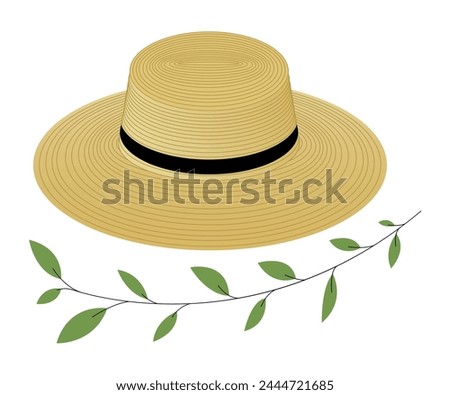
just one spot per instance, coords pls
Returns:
(110, 307)
(231, 298)
(225, 293)
(187, 304)
(293, 278)
(264, 300)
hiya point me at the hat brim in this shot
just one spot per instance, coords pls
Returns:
(83, 150)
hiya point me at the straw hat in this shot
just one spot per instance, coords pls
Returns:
(182, 158)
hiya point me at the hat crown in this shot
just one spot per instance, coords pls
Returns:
(209, 95)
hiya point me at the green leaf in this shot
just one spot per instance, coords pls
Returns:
(212, 279)
(345, 244)
(278, 270)
(49, 296)
(329, 298)
(46, 259)
(165, 326)
(133, 284)
(394, 250)
(386, 222)
(81, 325)
(256, 314)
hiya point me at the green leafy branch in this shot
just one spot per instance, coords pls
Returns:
(85, 322)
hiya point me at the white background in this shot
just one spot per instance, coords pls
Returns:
(387, 62)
